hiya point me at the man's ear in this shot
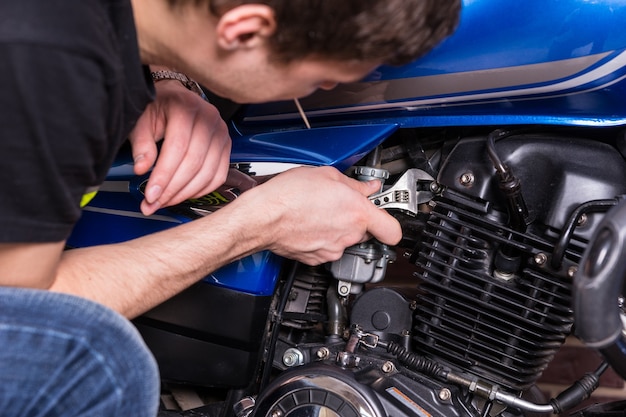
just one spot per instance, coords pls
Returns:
(245, 26)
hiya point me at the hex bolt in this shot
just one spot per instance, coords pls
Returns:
(323, 353)
(388, 367)
(435, 187)
(293, 357)
(445, 394)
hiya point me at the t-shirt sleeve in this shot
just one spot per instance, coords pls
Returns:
(54, 129)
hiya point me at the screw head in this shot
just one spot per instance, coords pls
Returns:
(571, 271)
(445, 394)
(467, 179)
(540, 259)
(388, 367)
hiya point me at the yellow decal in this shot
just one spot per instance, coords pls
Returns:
(90, 193)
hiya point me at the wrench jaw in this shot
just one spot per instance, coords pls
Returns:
(407, 193)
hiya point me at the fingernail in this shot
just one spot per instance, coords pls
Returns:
(153, 193)
(139, 158)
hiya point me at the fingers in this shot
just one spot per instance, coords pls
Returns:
(143, 139)
(191, 164)
(384, 227)
(380, 225)
(316, 213)
(195, 154)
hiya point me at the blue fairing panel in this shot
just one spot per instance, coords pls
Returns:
(114, 216)
(340, 146)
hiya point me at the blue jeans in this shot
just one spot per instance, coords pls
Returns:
(66, 356)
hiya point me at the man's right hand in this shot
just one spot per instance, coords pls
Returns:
(313, 214)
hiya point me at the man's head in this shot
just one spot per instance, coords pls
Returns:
(265, 50)
(388, 31)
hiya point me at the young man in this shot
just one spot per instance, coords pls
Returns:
(74, 86)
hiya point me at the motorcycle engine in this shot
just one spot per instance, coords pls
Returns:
(494, 285)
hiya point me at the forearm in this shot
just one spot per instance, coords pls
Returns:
(134, 276)
(286, 215)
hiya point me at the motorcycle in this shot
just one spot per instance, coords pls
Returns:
(502, 154)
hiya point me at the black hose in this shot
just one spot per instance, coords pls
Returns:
(579, 391)
(413, 361)
(510, 185)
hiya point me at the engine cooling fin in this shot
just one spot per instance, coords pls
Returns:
(505, 331)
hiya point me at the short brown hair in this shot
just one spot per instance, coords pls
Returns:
(390, 31)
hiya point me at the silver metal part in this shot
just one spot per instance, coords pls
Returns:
(404, 194)
(244, 407)
(493, 393)
(293, 357)
(361, 264)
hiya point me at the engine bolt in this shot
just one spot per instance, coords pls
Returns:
(277, 413)
(571, 271)
(540, 259)
(435, 187)
(582, 220)
(293, 357)
(467, 179)
(344, 290)
(388, 367)
(323, 353)
(445, 394)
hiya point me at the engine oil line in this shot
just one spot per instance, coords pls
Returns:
(594, 206)
(566, 400)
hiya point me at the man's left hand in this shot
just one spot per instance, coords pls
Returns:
(195, 155)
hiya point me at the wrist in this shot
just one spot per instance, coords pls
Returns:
(188, 83)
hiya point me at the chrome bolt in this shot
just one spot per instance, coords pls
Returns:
(388, 367)
(435, 188)
(467, 179)
(344, 290)
(293, 357)
(540, 259)
(445, 394)
(582, 220)
(323, 353)
(277, 413)
(571, 271)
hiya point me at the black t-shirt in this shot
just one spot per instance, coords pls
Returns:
(71, 88)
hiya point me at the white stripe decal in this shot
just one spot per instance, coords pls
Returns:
(133, 214)
(557, 88)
